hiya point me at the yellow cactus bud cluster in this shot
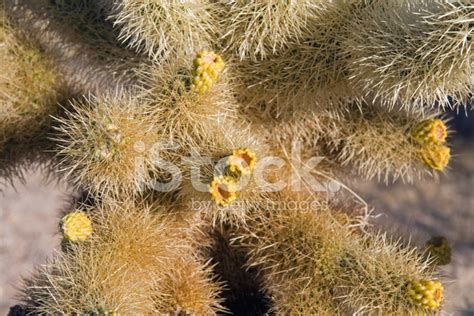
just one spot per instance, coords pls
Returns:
(439, 250)
(429, 131)
(223, 190)
(223, 187)
(430, 135)
(208, 66)
(425, 293)
(76, 226)
(435, 156)
(242, 161)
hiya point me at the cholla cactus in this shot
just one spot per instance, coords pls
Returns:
(163, 28)
(318, 262)
(259, 28)
(173, 146)
(107, 145)
(439, 250)
(30, 86)
(185, 117)
(368, 139)
(136, 251)
(412, 56)
(308, 74)
(376, 144)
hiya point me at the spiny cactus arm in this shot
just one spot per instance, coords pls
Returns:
(30, 87)
(388, 145)
(384, 145)
(136, 260)
(412, 56)
(161, 29)
(189, 97)
(300, 78)
(309, 74)
(259, 29)
(371, 141)
(106, 144)
(86, 52)
(318, 262)
(189, 288)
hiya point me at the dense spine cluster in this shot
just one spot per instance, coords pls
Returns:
(186, 118)
(322, 262)
(30, 87)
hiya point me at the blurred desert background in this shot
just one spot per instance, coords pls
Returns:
(30, 209)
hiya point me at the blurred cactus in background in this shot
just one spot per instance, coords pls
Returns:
(439, 250)
(188, 123)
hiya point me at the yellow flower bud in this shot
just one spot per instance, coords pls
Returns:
(76, 226)
(435, 156)
(223, 190)
(242, 161)
(208, 66)
(432, 131)
(425, 293)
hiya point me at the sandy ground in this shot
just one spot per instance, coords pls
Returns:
(29, 216)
